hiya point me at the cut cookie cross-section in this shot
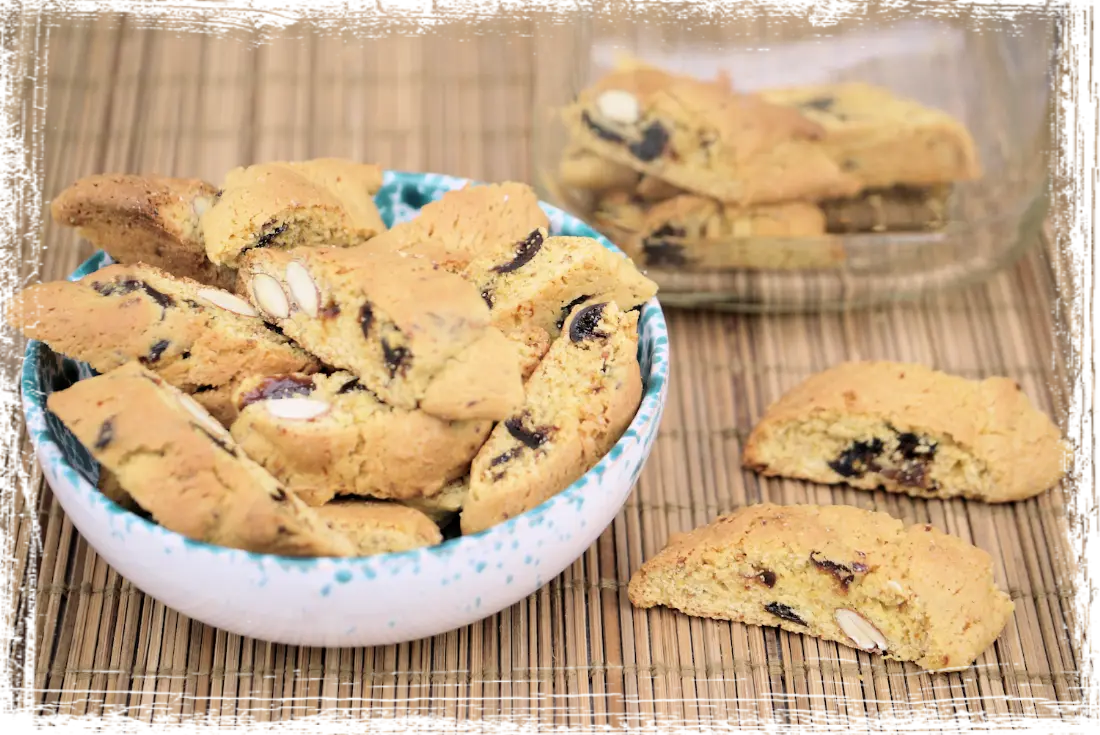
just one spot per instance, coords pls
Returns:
(910, 429)
(579, 401)
(145, 219)
(184, 468)
(380, 528)
(853, 576)
(328, 435)
(323, 202)
(414, 334)
(200, 339)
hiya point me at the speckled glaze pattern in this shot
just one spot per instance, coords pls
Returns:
(383, 599)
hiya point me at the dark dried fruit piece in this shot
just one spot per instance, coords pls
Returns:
(584, 324)
(329, 311)
(780, 610)
(858, 459)
(204, 388)
(533, 438)
(823, 104)
(106, 434)
(129, 285)
(844, 574)
(913, 446)
(366, 318)
(277, 386)
(525, 251)
(601, 131)
(569, 307)
(395, 358)
(505, 456)
(663, 253)
(668, 230)
(155, 352)
(487, 297)
(279, 495)
(652, 145)
(766, 577)
(269, 233)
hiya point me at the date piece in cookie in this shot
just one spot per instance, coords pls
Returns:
(467, 222)
(414, 334)
(883, 139)
(184, 468)
(853, 576)
(380, 528)
(910, 429)
(579, 401)
(200, 339)
(694, 232)
(701, 137)
(325, 201)
(147, 219)
(538, 280)
(328, 435)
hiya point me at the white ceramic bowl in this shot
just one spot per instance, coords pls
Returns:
(375, 600)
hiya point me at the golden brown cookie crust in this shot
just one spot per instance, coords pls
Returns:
(380, 528)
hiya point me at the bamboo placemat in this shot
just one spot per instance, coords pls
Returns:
(126, 98)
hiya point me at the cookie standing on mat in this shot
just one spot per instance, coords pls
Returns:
(579, 401)
(323, 202)
(848, 575)
(328, 435)
(414, 334)
(910, 429)
(198, 338)
(145, 219)
(184, 468)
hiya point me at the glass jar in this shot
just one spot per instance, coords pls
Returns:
(808, 252)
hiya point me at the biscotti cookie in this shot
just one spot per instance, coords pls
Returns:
(416, 335)
(198, 338)
(325, 202)
(145, 219)
(327, 435)
(466, 223)
(184, 468)
(910, 429)
(848, 575)
(897, 209)
(703, 138)
(883, 139)
(444, 505)
(537, 281)
(380, 528)
(693, 232)
(579, 401)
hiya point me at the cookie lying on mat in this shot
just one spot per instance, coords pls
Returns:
(840, 573)
(910, 429)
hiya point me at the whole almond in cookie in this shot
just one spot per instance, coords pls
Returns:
(853, 576)
(910, 429)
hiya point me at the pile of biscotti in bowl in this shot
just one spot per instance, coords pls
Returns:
(316, 396)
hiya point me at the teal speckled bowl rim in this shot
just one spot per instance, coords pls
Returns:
(652, 328)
